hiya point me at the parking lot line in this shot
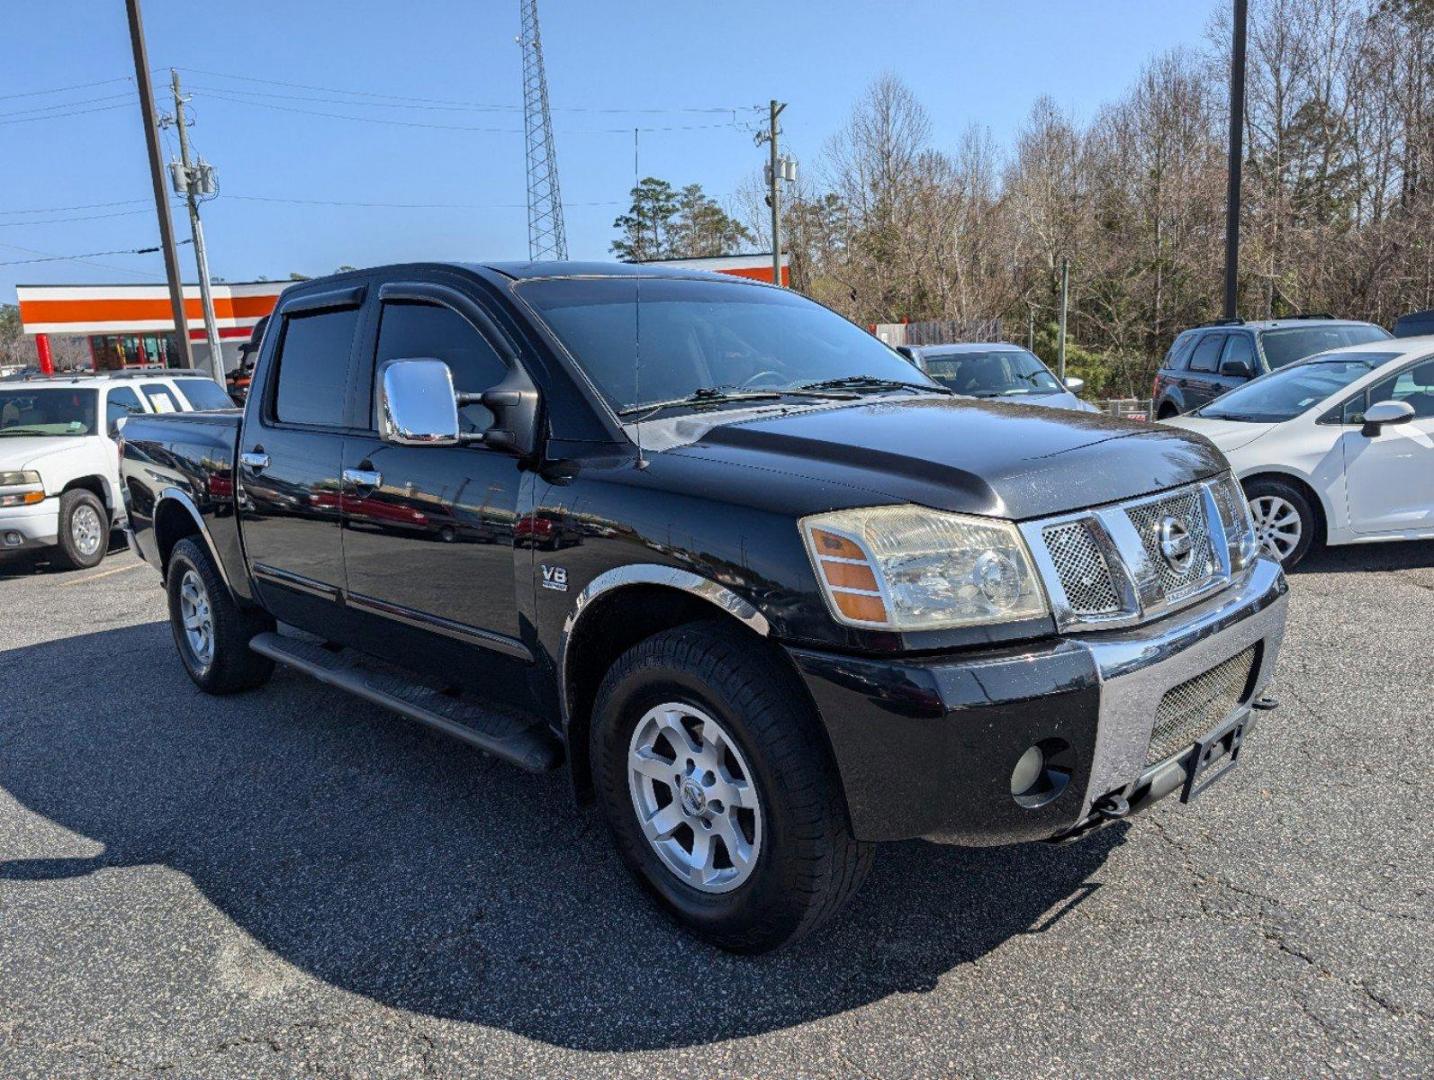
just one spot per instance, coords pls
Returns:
(103, 573)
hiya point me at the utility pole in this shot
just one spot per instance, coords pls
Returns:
(774, 179)
(1237, 141)
(195, 181)
(156, 175)
(1065, 300)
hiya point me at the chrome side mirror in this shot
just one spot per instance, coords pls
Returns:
(1385, 414)
(1074, 385)
(417, 404)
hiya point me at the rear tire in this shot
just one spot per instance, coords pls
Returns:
(211, 632)
(801, 862)
(1286, 523)
(84, 534)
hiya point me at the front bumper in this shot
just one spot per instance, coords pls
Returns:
(26, 528)
(926, 746)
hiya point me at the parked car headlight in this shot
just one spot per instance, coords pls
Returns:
(910, 568)
(19, 479)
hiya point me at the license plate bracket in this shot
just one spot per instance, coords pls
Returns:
(1215, 755)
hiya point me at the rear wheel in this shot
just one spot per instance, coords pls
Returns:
(211, 632)
(84, 530)
(719, 790)
(1285, 521)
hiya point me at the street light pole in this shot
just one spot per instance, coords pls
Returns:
(1237, 141)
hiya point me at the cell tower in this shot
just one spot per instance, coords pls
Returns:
(547, 239)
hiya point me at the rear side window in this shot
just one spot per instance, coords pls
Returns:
(203, 394)
(312, 386)
(160, 399)
(1206, 356)
(412, 330)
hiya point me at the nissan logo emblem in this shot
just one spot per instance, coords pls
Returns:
(1175, 543)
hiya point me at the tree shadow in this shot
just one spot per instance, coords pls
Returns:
(395, 864)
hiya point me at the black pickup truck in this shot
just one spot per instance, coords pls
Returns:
(768, 592)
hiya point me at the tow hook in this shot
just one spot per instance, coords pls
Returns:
(1112, 807)
(1265, 704)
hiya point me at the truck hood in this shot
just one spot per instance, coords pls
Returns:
(26, 451)
(960, 454)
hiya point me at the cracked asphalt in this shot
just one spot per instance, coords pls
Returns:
(293, 883)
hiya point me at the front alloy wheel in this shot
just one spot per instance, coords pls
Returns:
(693, 794)
(1277, 525)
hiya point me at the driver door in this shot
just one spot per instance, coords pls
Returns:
(1389, 479)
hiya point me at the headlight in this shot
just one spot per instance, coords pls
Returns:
(19, 479)
(909, 568)
(1235, 516)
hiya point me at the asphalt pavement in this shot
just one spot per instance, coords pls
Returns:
(292, 882)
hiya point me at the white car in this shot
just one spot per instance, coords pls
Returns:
(1334, 449)
(59, 464)
(997, 370)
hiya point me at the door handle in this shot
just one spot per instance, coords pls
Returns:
(363, 478)
(255, 461)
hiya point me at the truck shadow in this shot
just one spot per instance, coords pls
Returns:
(395, 864)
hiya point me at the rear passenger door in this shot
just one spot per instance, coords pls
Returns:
(290, 449)
(1200, 381)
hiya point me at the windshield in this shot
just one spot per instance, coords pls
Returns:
(687, 336)
(48, 411)
(204, 394)
(992, 373)
(1286, 346)
(1285, 394)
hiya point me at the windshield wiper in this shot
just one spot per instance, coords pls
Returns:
(874, 382)
(704, 395)
(29, 431)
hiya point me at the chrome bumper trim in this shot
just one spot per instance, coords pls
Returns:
(1138, 666)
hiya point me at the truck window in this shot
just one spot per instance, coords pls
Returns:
(122, 402)
(160, 399)
(1206, 356)
(430, 330)
(313, 376)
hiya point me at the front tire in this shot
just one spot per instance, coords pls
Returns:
(1285, 522)
(719, 790)
(211, 632)
(84, 534)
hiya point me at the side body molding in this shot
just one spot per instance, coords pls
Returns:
(183, 499)
(650, 574)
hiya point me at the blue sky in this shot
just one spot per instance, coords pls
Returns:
(968, 62)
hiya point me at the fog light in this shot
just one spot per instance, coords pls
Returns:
(1028, 771)
(13, 539)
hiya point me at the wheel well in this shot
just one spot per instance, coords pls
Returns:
(610, 625)
(92, 484)
(1166, 411)
(1321, 522)
(172, 523)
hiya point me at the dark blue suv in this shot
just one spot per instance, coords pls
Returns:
(1214, 357)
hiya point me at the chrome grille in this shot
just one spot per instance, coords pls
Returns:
(1084, 574)
(1187, 507)
(1189, 710)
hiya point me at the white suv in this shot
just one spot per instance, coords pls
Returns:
(59, 464)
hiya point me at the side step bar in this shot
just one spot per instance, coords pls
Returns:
(524, 742)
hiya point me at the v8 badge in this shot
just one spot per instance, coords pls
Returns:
(555, 577)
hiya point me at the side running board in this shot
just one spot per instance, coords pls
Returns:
(521, 740)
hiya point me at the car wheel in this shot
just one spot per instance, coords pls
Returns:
(1285, 522)
(719, 790)
(211, 632)
(84, 530)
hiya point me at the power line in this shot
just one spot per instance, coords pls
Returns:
(464, 104)
(79, 206)
(62, 116)
(44, 257)
(127, 96)
(66, 220)
(406, 206)
(62, 89)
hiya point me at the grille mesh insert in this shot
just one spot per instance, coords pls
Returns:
(1084, 573)
(1189, 710)
(1188, 508)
